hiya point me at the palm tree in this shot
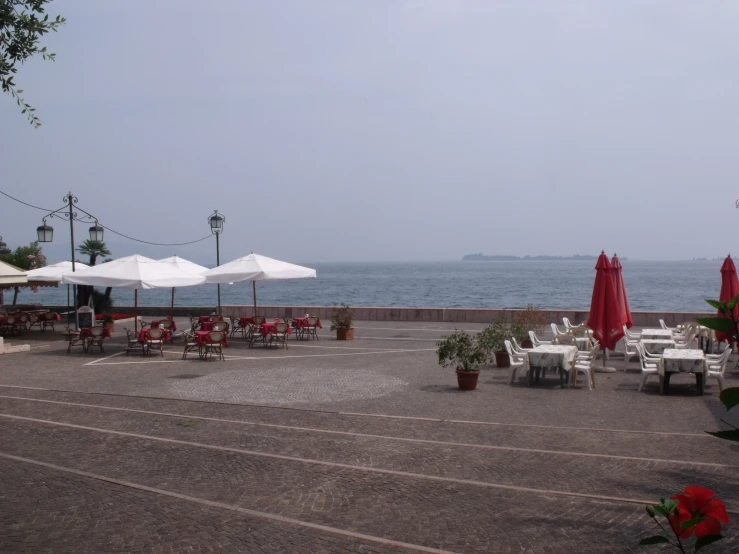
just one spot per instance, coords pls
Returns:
(93, 249)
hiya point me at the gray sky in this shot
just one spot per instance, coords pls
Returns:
(385, 130)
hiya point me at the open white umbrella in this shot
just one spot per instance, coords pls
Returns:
(134, 272)
(257, 268)
(184, 265)
(53, 273)
(11, 276)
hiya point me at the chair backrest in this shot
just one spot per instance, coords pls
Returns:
(11, 320)
(216, 318)
(259, 319)
(515, 356)
(533, 338)
(155, 333)
(517, 346)
(567, 323)
(312, 321)
(281, 327)
(189, 337)
(220, 326)
(216, 336)
(663, 324)
(50, 316)
(130, 334)
(33, 318)
(643, 358)
(165, 323)
(97, 331)
(555, 330)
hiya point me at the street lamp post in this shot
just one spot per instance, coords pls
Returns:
(216, 227)
(3, 247)
(46, 232)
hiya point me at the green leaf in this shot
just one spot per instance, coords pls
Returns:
(706, 540)
(733, 302)
(717, 304)
(732, 435)
(730, 397)
(650, 511)
(692, 523)
(717, 324)
(656, 539)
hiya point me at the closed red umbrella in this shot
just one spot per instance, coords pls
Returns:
(729, 289)
(618, 283)
(605, 315)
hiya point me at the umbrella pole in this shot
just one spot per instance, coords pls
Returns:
(172, 303)
(254, 290)
(136, 311)
(68, 310)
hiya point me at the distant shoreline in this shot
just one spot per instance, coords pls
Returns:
(498, 258)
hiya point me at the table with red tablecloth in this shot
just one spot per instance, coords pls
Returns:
(86, 333)
(270, 329)
(155, 323)
(145, 330)
(203, 338)
(300, 322)
(244, 321)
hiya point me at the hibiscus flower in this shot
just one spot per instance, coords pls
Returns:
(699, 504)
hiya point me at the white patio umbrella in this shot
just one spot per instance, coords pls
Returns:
(11, 275)
(134, 272)
(53, 273)
(184, 265)
(257, 268)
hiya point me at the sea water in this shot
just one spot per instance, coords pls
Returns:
(664, 286)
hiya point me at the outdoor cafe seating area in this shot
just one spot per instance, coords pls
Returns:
(661, 352)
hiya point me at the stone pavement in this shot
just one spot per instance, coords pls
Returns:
(364, 446)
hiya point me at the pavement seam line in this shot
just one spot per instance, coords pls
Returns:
(245, 452)
(366, 414)
(374, 436)
(231, 507)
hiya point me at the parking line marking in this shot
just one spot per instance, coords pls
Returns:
(231, 507)
(372, 435)
(310, 461)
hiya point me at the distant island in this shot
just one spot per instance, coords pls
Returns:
(485, 258)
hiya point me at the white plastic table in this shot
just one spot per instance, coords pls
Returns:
(551, 356)
(682, 361)
(656, 334)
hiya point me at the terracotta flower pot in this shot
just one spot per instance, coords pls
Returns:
(526, 343)
(467, 380)
(110, 326)
(345, 334)
(502, 359)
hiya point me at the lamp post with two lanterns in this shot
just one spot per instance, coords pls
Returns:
(3, 247)
(69, 212)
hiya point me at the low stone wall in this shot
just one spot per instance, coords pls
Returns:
(447, 315)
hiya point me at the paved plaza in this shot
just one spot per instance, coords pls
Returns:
(363, 446)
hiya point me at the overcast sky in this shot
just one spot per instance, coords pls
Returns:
(385, 130)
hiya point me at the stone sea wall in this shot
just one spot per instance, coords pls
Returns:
(447, 315)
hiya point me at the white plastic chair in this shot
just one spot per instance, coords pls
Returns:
(632, 336)
(518, 361)
(687, 341)
(585, 365)
(647, 368)
(535, 340)
(557, 333)
(629, 349)
(716, 367)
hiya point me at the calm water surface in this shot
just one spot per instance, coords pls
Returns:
(679, 286)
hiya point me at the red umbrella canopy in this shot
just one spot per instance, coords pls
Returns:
(729, 288)
(618, 283)
(605, 315)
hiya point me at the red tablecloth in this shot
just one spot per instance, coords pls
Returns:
(203, 318)
(144, 330)
(156, 324)
(86, 333)
(203, 338)
(300, 322)
(269, 328)
(206, 325)
(244, 321)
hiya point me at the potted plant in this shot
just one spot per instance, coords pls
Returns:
(529, 319)
(342, 319)
(464, 353)
(491, 341)
(109, 322)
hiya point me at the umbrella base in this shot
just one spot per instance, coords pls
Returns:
(605, 369)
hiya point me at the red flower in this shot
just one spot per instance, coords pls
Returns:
(699, 503)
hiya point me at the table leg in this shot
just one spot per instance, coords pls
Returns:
(531, 376)
(700, 381)
(665, 383)
(538, 373)
(561, 377)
